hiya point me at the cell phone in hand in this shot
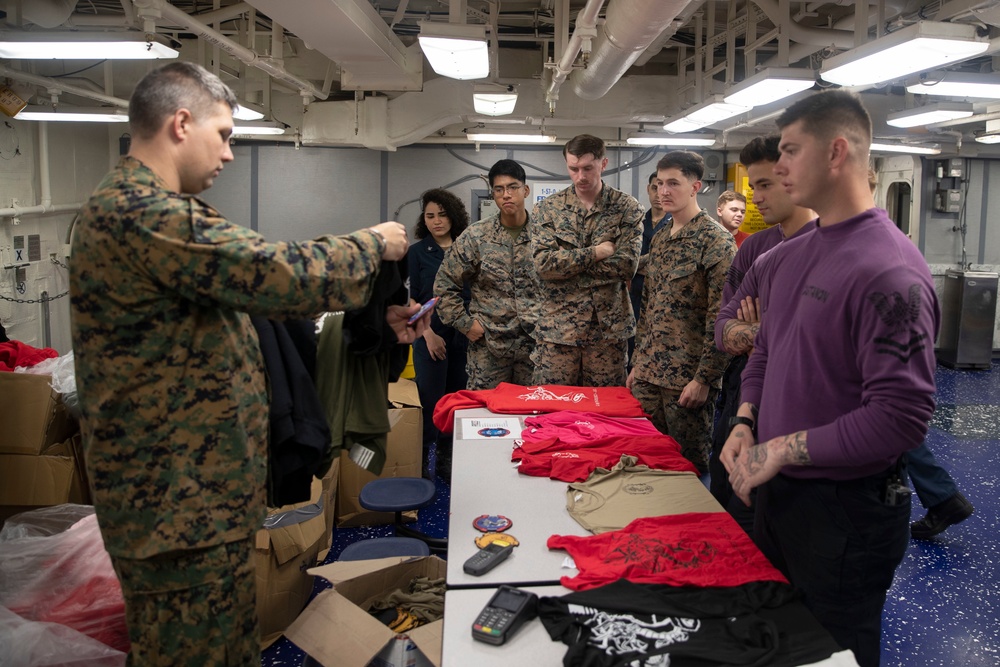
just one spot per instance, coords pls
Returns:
(424, 309)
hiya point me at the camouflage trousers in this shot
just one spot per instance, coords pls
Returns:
(192, 607)
(486, 370)
(692, 429)
(598, 364)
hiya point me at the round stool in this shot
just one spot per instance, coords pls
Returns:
(384, 547)
(397, 494)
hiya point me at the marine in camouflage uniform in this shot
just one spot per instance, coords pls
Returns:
(172, 385)
(504, 286)
(585, 315)
(675, 338)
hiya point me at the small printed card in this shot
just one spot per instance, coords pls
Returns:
(478, 428)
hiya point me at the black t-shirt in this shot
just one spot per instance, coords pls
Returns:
(622, 623)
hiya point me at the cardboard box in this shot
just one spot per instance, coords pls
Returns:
(335, 631)
(53, 477)
(404, 448)
(34, 416)
(284, 551)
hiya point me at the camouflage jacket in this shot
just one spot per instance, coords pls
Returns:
(503, 282)
(583, 300)
(685, 276)
(170, 376)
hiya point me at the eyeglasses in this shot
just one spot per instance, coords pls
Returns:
(512, 189)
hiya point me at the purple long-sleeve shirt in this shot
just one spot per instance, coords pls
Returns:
(846, 346)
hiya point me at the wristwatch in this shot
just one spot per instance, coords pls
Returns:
(746, 421)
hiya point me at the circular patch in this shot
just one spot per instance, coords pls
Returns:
(493, 432)
(489, 538)
(492, 522)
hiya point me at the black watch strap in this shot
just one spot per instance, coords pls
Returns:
(746, 421)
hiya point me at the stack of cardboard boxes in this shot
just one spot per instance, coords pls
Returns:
(41, 463)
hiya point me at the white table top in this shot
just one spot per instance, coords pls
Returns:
(484, 481)
(530, 645)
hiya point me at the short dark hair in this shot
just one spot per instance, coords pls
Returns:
(690, 164)
(652, 177)
(453, 208)
(761, 149)
(507, 168)
(179, 85)
(582, 144)
(728, 196)
(830, 113)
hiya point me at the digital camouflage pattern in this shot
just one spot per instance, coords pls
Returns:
(600, 364)
(583, 300)
(692, 429)
(192, 607)
(170, 376)
(682, 294)
(505, 292)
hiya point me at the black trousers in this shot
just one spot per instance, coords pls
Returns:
(840, 544)
(728, 404)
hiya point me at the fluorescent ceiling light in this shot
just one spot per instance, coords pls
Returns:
(494, 100)
(246, 129)
(770, 85)
(73, 114)
(81, 46)
(455, 50)
(712, 110)
(988, 138)
(930, 113)
(904, 148)
(507, 137)
(644, 139)
(247, 113)
(956, 84)
(917, 47)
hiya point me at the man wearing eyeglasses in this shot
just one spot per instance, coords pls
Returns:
(586, 247)
(493, 257)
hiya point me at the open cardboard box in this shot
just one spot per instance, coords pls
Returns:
(283, 553)
(404, 447)
(336, 632)
(34, 417)
(52, 477)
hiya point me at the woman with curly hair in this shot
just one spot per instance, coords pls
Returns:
(439, 356)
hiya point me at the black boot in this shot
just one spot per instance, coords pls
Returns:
(444, 460)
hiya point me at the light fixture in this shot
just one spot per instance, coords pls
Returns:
(988, 138)
(455, 50)
(904, 148)
(711, 110)
(494, 99)
(917, 47)
(927, 114)
(956, 84)
(504, 136)
(251, 128)
(244, 112)
(651, 139)
(73, 114)
(770, 85)
(82, 46)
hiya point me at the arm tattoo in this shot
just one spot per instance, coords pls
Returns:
(758, 459)
(798, 454)
(737, 336)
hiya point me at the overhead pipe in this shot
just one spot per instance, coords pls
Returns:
(679, 21)
(584, 30)
(57, 85)
(48, 13)
(45, 205)
(161, 8)
(630, 26)
(842, 39)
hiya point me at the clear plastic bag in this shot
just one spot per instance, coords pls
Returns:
(63, 372)
(64, 577)
(25, 643)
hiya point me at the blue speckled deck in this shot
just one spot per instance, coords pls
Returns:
(944, 606)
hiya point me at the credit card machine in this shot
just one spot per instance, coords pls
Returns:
(487, 558)
(506, 611)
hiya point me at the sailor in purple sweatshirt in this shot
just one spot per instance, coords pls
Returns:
(843, 372)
